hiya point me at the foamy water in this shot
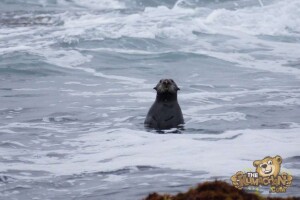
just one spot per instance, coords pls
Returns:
(76, 81)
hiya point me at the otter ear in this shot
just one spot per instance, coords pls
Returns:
(278, 159)
(256, 163)
(177, 88)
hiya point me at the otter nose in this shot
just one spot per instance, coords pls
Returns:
(264, 166)
(166, 82)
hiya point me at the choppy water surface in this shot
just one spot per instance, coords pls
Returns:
(76, 81)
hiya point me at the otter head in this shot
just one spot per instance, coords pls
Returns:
(166, 90)
(166, 86)
(268, 166)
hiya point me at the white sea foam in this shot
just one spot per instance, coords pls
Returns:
(229, 116)
(281, 19)
(77, 4)
(200, 152)
(181, 23)
(79, 83)
(103, 5)
(275, 19)
(63, 58)
(72, 59)
(244, 25)
(229, 96)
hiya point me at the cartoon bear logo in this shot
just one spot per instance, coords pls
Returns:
(268, 166)
(267, 172)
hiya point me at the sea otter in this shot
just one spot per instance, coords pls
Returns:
(165, 113)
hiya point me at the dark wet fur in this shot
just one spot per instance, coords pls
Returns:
(165, 113)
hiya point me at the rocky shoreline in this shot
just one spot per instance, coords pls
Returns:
(216, 190)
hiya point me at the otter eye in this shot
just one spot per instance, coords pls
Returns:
(270, 162)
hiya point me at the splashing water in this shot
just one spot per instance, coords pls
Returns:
(76, 81)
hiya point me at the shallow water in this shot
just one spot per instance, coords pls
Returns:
(76, 81)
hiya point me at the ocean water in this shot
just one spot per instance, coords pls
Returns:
(76, 81)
